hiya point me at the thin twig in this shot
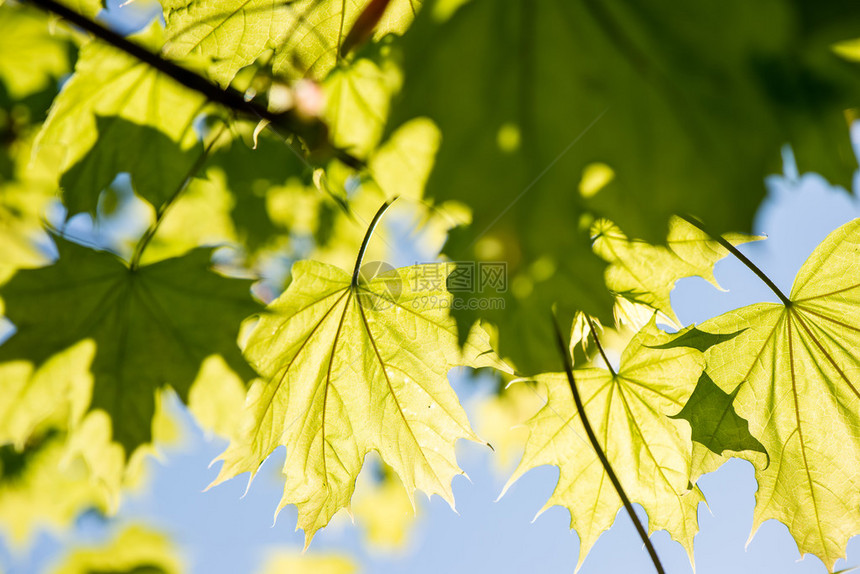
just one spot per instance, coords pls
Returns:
(168, 203)
(597, 342)
(743, 259)
(374, 222)
(580, 408)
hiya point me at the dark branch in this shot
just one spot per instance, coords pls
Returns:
(314, 132)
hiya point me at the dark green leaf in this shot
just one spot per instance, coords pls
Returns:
(689, 105)
(152, 326)
(715, 423)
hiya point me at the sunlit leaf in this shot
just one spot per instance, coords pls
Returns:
(305, 35)
(649, 451)
(26, 190)
(38, 491)
(51, 396)
(214, 396)
(357, 101)
(500, 419)
(647, 273)
(296, 563)
(384, 511)
(117, 114)
(349, 369)
(793, 372)
(31, 58)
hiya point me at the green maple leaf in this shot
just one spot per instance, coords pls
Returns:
(672, 115)
(685, 104)
(628, 412)
(31, 62)
(152, 326)
(305, 35)
(647, 273)
(351, 367)
(21, 205)
(404, 161)
(117, 114)
(793, 372)
(48, 397)
(249, 174)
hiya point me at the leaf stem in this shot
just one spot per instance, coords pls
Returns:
(580, 408)
(380, 212)
(228, 97)
(168, 203)
(741, 257)
(599, 346)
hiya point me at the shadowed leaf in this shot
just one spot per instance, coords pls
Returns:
(716, 426)
(152, 326)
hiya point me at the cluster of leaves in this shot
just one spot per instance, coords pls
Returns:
(493, 152)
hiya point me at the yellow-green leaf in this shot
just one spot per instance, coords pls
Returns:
(647, 273)
(118, 114)
(353, 368)
(39, 490)
(401, 165)
(25, 193)
(795, 373)
(649, 451)
(305, 35)
(30, 56)
(51, 395)
(385, 512)
(500, 419)
(214, 395)
(357, 101)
